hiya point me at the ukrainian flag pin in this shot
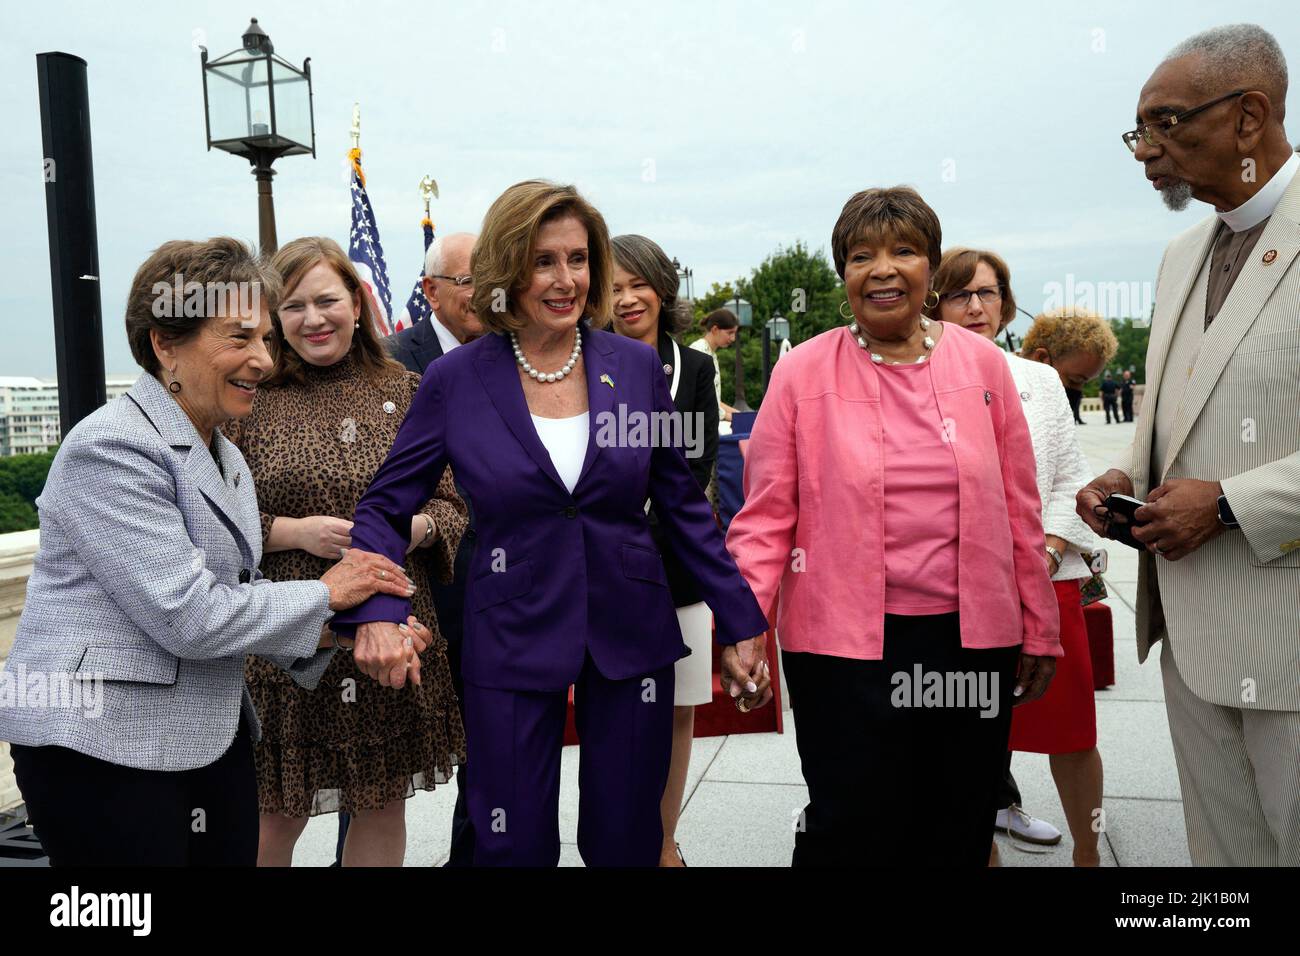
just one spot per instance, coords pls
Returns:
(607, 380)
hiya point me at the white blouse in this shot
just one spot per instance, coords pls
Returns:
(566, 442)
(1062, 467)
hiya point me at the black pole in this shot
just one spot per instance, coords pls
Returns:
(265, 208)
(738, 402)
(767, 356)
(74, 250)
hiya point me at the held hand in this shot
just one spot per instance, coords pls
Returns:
(1032, 678)
(745, 676)
(389, 653)
(1179, 517)
(323, 535)
(1095, 492)
(360, 575)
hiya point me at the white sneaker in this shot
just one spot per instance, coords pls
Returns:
(1014, 822)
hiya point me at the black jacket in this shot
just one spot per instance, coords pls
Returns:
(695, 395)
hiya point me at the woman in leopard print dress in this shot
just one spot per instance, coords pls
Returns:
(321, 426)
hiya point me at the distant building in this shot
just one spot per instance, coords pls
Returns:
(29, 412)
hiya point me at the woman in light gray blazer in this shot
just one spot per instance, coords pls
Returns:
(124, 693)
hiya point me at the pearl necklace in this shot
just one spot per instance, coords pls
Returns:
(547, 376)
(880, 359)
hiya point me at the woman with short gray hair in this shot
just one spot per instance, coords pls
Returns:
(145, 594)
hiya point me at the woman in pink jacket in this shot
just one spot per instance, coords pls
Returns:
(892, 531)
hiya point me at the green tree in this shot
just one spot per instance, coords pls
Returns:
(22, 478)
(798, 284)
(1132, 352)
(16, 514)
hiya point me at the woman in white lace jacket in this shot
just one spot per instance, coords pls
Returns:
(974, 290)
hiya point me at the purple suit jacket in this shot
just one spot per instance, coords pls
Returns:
(554, 575)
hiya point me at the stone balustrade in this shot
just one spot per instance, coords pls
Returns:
(17, 552)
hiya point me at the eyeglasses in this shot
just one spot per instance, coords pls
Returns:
(460, 281)
(1147, 130)
(961, 297)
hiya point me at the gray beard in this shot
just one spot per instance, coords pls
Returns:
(1178, 196)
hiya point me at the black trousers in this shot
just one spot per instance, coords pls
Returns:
(1111, 406)
(890, 778)
(1076, 399)
(1008, 789)
(462, 831)
(1126, 403)
(88, 812)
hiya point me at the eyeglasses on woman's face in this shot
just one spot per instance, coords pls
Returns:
(961, 297)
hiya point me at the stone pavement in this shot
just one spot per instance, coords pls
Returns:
(744, 792)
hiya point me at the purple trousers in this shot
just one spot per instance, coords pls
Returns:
(515, 738)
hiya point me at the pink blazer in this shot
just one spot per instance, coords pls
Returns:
(809, 537)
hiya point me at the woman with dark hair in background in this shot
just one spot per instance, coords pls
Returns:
(646, 308)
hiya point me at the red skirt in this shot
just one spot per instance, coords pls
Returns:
(1064, 720)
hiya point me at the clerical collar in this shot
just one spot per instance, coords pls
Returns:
(1261, 205)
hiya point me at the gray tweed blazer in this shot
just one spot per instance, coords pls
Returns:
(145, 596)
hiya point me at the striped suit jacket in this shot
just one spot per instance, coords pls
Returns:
(146, 587)
(1232, 608)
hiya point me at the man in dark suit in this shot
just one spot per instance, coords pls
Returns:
(1126, 395)
(1110, 399)
(448, 288)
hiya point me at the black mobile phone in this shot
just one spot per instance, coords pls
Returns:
(1119, 511)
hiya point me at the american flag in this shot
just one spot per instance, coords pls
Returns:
(366, 252)
(417, 306)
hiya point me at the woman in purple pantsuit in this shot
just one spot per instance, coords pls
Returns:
(554, 430)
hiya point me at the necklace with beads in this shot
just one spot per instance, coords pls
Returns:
(547, 377)
(879, 359)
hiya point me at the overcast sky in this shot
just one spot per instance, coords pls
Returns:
(721, 130)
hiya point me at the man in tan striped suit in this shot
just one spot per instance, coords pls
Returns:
(1216, 454)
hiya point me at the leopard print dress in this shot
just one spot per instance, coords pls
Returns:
(351, 744)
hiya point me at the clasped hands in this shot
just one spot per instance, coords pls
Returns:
(1180, 515)
(745, 675)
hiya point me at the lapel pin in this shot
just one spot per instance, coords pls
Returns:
(236, 479)
(1270, 256)
(988, 398)
(389, 407)
(668, 370)
(607, 380)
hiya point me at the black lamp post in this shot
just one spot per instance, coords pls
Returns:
(685, 281)
(258, 105)
(745, 315)
(776, 330)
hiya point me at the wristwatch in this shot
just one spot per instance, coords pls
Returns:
(1056, 554)
(1226, 517)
